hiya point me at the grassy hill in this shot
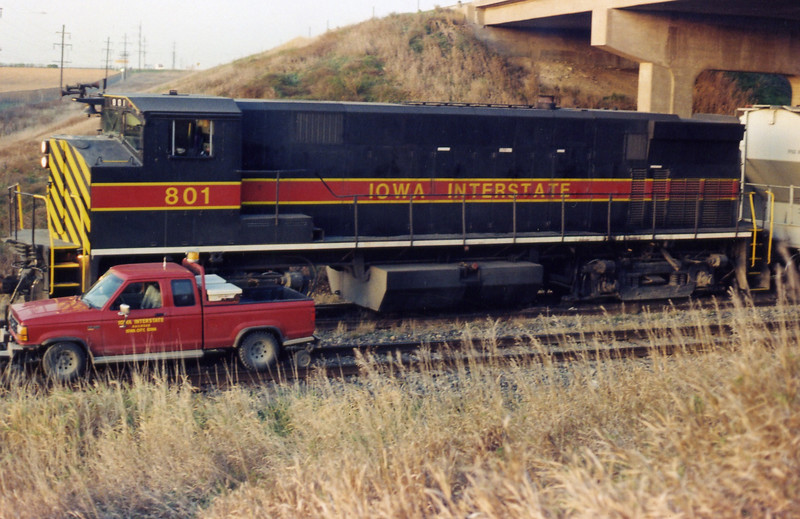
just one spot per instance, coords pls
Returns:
(438, 56)
(428, 56)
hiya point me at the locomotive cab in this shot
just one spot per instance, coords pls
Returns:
(163, 174)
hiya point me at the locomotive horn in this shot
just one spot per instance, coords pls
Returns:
(79, 89)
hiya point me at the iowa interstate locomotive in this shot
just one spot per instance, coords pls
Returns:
(406, 205)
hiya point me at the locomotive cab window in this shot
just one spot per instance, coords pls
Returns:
(192, 138)
(132, 131)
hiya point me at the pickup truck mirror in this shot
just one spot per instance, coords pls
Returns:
(124, 311)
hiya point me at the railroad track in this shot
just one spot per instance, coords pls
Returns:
(347, 359)
(348, 316)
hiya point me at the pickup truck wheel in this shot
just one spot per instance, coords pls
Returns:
(259, 351)
(64, 362)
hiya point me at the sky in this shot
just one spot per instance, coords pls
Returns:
(197, 34)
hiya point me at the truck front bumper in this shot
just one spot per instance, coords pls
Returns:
(7, 346)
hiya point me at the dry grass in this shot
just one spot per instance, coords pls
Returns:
(21, 131)
(13, 79)
(717, 93)
(711, 435)
(425, 57)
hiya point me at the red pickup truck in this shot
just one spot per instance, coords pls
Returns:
(159, 311)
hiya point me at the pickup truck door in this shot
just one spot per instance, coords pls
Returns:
(145, 330)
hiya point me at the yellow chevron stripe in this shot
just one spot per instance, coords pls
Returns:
(80, 204)
(76, 168)
(76, 206)
(57, 168)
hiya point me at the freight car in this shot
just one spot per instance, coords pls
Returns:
(407, 205)
(771, 156)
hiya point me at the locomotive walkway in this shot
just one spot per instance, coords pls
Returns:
(673, 41)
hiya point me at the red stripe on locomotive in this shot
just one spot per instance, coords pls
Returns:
(314, 191)
(162, 196)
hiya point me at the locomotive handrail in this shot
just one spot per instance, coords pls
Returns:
(277, 196)
(755, 228)
(15, 201)
(771, 197)
(514, 219)
(464, 219)
(655, 213)
(15, 195)
(411, 220)
(355, 218)
(655, 202)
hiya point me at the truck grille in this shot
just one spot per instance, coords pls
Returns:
(12, 323)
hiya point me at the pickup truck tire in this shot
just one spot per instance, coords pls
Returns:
(64, 362)
(258, 351)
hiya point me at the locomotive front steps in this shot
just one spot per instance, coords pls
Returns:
(65, 273)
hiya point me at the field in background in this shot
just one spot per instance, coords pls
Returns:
(14, 79)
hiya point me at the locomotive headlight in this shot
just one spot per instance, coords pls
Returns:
(45, 147)
(45, 162)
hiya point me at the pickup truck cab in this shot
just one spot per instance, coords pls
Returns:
(159, 311)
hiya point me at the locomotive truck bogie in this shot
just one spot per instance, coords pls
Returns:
(408, 205)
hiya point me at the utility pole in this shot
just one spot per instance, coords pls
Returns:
(62, 45)
(124, 57)
(140, 45)
(108, 53)
(173, 55)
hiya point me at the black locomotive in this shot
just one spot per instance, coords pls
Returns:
(407, 205)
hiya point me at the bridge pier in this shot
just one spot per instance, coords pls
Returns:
(672, 50)
(673, 42)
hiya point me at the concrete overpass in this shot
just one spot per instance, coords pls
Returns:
(672, 40)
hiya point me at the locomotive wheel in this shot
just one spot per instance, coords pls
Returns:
(259, 351)
(64, 362)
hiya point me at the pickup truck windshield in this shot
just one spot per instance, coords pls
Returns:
(102, 290)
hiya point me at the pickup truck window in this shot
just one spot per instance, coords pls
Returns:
(102, 290)
(182, 292)
(139, 295)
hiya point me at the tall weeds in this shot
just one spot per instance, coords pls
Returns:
(425, 57)
(687, 435)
